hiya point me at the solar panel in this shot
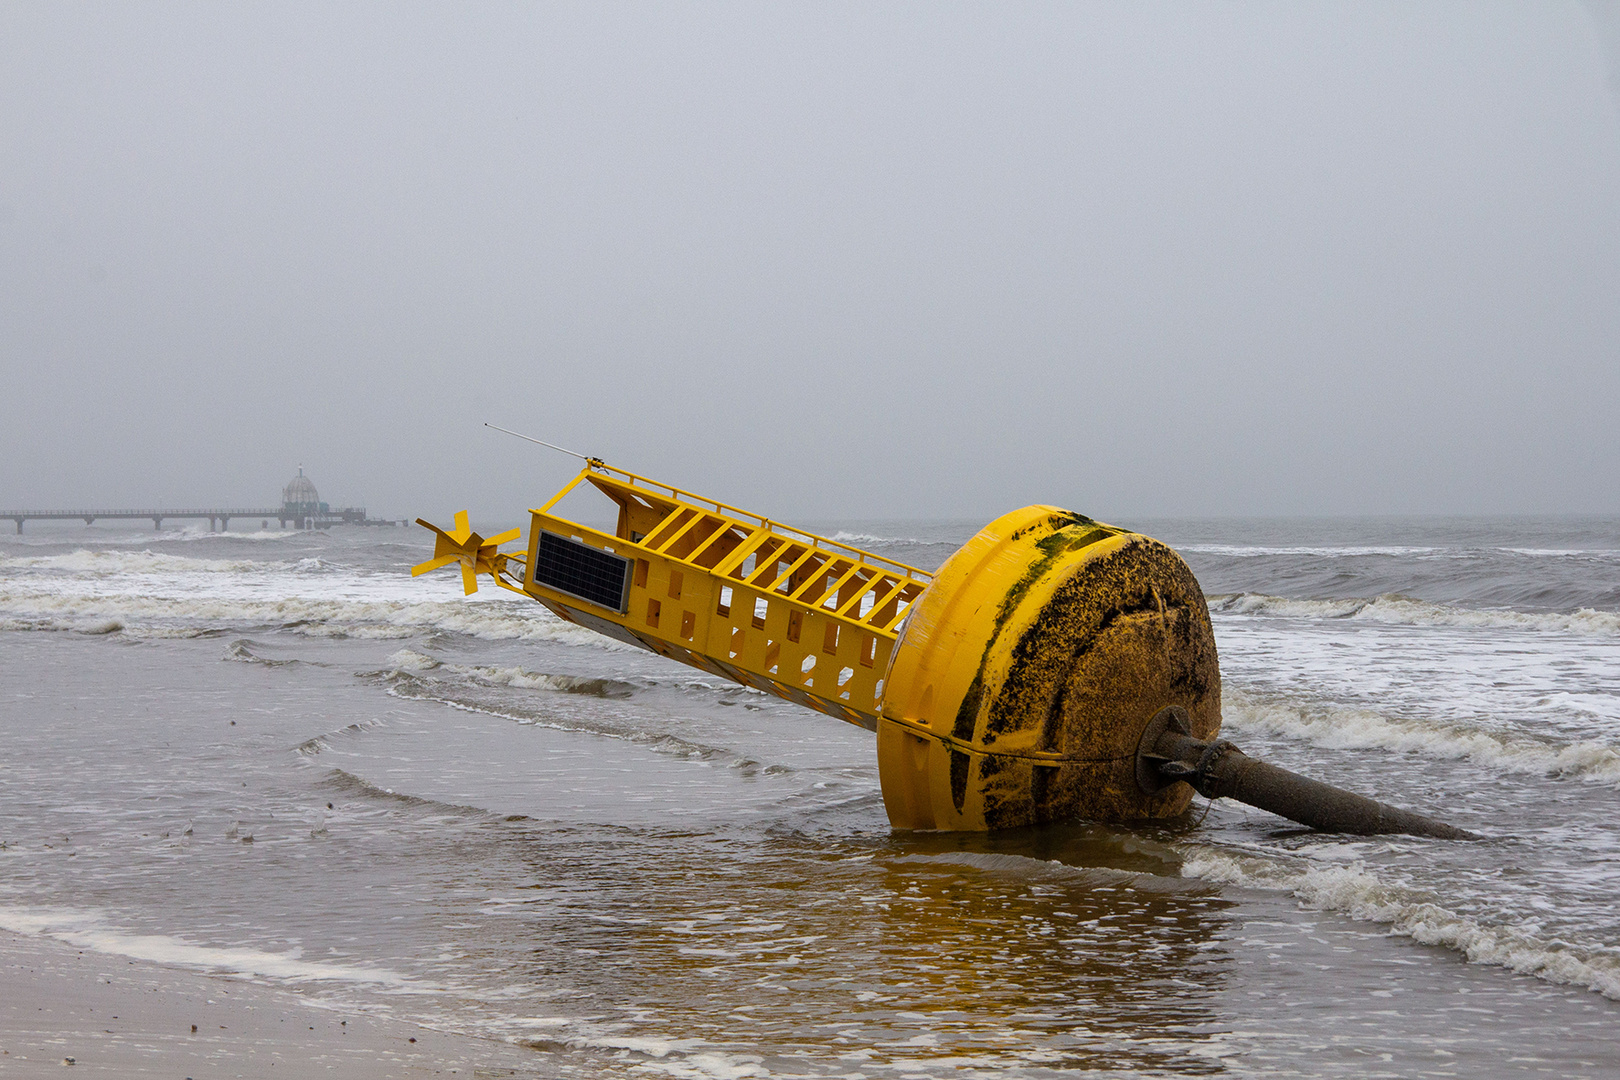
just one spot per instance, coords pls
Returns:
(580, 570)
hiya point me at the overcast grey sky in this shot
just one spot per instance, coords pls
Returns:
(825, 260)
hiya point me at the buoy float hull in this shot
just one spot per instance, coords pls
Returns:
(1025, 675)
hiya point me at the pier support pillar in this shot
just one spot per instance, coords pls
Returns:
(19, 526)
(157, 524)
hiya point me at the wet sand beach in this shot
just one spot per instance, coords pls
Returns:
(112, 1016)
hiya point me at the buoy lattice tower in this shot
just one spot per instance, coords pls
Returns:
(802, 616)
(1054, 667)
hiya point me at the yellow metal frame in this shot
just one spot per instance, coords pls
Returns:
(802, 616)
(1021, 674)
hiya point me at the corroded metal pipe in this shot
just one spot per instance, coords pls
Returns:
(1220, 770)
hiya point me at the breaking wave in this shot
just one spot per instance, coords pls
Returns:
(858, 538)
(1339, 727)
(1398, 610)
(107, 563)
(96, 627)
(1244, 551)
(1357, 892)
(241, 651)
(313, 746)
(494, 620)
(99, 626)
(410, 660)
(566, 684)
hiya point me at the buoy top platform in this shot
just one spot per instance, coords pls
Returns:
(1053, 668)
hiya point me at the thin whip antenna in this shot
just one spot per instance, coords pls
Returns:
(553, 446)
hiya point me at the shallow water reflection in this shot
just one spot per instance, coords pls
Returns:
(895, 955)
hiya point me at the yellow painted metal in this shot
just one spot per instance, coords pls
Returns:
(1027, 673)
(475, 554)
(802, 616)
(1011, 687)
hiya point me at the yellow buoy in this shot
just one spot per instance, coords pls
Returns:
(1025, 677)
(1054, 667)
(1010, 687)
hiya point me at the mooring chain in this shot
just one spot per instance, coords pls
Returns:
(1199, 775)
(1201, 779)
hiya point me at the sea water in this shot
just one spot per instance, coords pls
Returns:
(275, 756)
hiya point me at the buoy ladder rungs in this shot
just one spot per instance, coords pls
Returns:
(784, 610)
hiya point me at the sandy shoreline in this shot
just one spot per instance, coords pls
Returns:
(120, 1017)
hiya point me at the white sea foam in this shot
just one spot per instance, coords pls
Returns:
(858, 538)
(703, 1065)
(1351, 551)
(534, 680)
(1338, 727)
(107, 563)
(1359, 893)
(1244, 551)
(99, 626)
(160, 633)
(256, 534)
(1026, 867)
(495, 620)
(1405, 611)
(133, 535)
(653, 1055)
(152, 594)
(411, 660)
(92, 932)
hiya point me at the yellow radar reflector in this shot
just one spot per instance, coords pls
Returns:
(475, 554)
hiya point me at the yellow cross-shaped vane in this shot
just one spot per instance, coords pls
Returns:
(475, 554)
